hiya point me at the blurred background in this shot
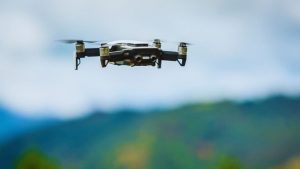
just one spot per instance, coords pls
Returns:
(236, 104)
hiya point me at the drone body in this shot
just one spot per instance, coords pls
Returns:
(130, 53)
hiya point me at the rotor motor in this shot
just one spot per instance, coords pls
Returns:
(104, 51)
(157, 43)
(182, 49)
(182, 53)
(80, 47)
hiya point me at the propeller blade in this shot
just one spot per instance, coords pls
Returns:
(166, 41)
(70, 41)
(186, 43)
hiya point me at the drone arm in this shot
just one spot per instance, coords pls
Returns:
(92, 52)
(170, 56)
(89, 52)
(174, 56)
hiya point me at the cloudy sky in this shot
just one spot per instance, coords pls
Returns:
(242, 50)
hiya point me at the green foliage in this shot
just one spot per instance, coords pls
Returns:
(35, 159)
(229, 162)
(173, 154)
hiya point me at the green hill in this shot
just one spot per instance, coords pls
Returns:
(224, 135)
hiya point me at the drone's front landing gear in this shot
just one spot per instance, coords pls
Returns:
(104, 54)
(77, 62)
(158, 63)
(104, 62)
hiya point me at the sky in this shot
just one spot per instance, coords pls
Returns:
(241, 50)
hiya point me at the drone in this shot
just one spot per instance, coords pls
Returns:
(129, 53)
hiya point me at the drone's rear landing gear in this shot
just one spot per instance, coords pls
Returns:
(159, 63)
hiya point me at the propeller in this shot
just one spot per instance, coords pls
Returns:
(165, 41)
(70, 41)
(158, 40)
(185, 43)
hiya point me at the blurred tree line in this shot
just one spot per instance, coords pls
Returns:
(35, 159)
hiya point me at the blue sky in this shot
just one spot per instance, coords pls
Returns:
(243, 50)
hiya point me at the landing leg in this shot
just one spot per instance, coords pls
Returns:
(77, 62)
(158, 63)
(103, 63)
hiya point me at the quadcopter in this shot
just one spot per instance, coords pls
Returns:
(130, 53)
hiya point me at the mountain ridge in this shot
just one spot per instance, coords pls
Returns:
(257, 134)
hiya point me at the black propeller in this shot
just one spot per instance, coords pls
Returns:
(158, 40)
(165, 41)
(70, 41)
(185, 43)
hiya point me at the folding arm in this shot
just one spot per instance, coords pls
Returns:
(88, 52)
(174, 56)
(169, 55)
(92, 52)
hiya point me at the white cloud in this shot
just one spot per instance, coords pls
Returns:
(238, 54)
